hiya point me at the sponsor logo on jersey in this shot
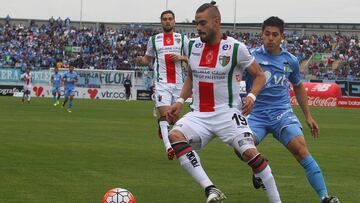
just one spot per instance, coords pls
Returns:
(195, 54)
(224, 60)
(226, 47)
(158, 37)
(198, 45)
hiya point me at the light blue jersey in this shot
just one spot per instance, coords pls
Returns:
(56, 82)
(279, 71)
(272, 111)
(70, 79)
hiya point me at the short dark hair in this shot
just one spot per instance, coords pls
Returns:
(167, 12)
(73, 64)
(274, 21)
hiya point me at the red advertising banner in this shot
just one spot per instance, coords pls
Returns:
(349, 102)
(326, 95)
(320, 89)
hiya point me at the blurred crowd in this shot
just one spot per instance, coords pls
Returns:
(115, 49)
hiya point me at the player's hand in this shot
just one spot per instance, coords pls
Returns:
(173, 114)
(248, 105)
(174, 58)
(315, 130)
(139, 60)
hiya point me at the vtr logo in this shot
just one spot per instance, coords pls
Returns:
(280, 80)
(277, 79)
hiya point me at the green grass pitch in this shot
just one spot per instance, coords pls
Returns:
(50, 155)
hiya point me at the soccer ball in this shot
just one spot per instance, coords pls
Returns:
(118, 195)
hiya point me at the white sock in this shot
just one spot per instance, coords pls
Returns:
(165, 133)
(191, 163)
(270, 185)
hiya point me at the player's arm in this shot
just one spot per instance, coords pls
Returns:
(177, 57)
(75, 79)
(144, 60)
(149, 55)
(183, 56)
(302, 99)
(259, 80)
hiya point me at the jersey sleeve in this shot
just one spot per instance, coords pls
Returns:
(149, 48)
(294, 76)
(244, 58)
(186, 46)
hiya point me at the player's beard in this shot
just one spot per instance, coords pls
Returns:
(210, 37)
(168, 29)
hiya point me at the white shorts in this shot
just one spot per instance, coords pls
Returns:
(28, 87)
(200, 128)
(166, 93)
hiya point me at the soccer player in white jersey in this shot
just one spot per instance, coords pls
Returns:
(166, 50)
(215, 65)
(27, 78)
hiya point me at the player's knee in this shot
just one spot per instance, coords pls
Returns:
(243, 146)
(176, 136)
(298, 148)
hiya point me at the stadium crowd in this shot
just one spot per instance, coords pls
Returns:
(108, 48)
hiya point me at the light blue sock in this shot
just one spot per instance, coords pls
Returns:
(54, 98)
(314, 175)
(70, 104)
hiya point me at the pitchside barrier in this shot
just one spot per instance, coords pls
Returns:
(326, 95)
(92, 84)
(320, 94)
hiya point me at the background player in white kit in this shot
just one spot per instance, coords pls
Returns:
(27, 78)
(166, 50)
(215, 66)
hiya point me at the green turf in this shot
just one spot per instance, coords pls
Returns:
(50, 155)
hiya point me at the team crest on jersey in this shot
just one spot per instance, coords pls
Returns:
(178, 40)
(287, 68)
(224, 60)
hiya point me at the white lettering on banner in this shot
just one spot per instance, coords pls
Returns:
(317, 101)
(8, 74)
(321, 87)
(8, 91)
(41, 76)
(84, 93)
(354, 103)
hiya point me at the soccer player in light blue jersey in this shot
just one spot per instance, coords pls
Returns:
(70, 78)
(56, 80)
(272, 111)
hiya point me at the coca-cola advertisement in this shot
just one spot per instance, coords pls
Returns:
(317, 101)
(326, 95)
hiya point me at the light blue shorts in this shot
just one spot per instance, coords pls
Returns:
(283, 124)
